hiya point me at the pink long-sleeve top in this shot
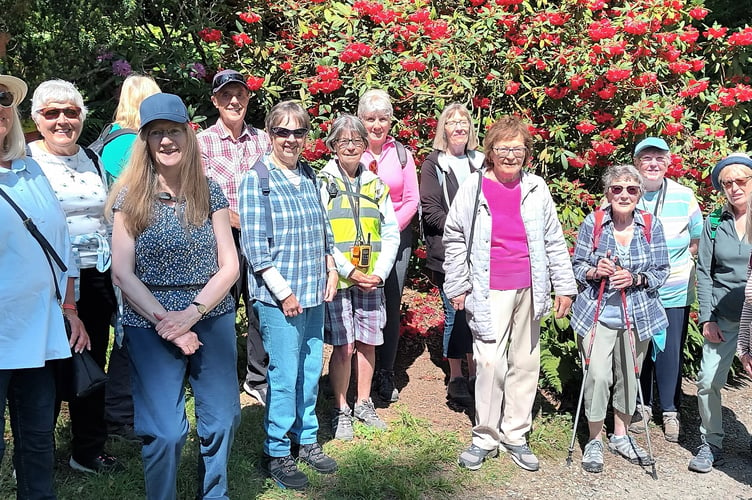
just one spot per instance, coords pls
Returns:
(402, 182)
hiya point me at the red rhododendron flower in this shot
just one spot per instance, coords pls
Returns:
(511, 88)
(612, 134)
(607, 92)
(635, 27)
(743, 37)
(671, 54)
(575, 162)
(254, 82)
(249, 17)
(679, 67)
(241, 39)
(617, 75)
(600, 30)
(195, 126)
(210, 35)
(677, 112)
(420, 16)
(716, 32)
(576, 81)
(646, 79)
(603, 117)
(413, 65)
(286, 66)
(672, 129)
(698, 13)
(585, 127)
(420, 252)
(690, 35)
(603, 148)
(694, 88)
(481, 102)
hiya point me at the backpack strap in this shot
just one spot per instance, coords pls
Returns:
(597, 227)
(475, 215)
(647, 228)
(401, 153)
(111, 136)
(263, 174)
(94, 159)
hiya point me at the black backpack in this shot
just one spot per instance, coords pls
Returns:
(107, 136)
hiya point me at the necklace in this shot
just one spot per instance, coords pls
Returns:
(165, 196)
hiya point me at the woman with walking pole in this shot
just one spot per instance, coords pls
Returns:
(620, 262)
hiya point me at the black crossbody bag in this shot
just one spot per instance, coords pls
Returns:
(80, 375)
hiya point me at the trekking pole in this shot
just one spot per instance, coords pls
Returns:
(654, 474)
(585, 371)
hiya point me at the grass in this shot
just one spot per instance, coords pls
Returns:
(409, 461)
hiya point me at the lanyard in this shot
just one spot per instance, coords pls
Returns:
(354, 200)
(660, 200)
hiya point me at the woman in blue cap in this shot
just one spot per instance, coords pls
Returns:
(723, 258)
(175, 261)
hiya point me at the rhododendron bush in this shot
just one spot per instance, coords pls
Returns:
(592, 77)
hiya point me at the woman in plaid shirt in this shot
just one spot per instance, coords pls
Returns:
(631, 255)
(291, 274)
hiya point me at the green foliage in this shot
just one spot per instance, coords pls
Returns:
(559, 355)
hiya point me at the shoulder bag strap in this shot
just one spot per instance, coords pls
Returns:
(475, 215)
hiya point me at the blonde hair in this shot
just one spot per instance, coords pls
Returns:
(440, 139)
(14, 145)
(135, 89)
(140, 179)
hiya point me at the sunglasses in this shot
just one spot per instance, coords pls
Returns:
(231, 77)
(632, 190)
(299, 133)
(54, 113)
(741, 182)
(6, 99)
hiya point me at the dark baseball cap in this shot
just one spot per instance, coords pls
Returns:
(225, 77)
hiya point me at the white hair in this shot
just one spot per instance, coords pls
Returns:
(56, 91)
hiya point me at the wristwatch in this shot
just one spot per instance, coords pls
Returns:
(201, 309)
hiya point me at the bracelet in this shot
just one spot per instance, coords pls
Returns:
(70, 307)
(331, 270)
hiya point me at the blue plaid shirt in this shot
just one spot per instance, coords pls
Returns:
(301, 241)
(647, 315)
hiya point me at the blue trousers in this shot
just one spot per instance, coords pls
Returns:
(296, 349)
(30, 394)
(666, 370)
(158, 371)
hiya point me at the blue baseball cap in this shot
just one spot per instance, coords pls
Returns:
(163, 107)
(732, 159)
(651, 142)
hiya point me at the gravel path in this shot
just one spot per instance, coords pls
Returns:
(422, 393)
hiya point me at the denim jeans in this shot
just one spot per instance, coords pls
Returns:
(296, 348)
(158, 369)
(30, 394)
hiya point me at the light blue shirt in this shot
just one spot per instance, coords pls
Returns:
(31, 321)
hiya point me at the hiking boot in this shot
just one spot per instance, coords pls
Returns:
(638, 424)
(385, 389)
(458, 392)
(342, 424)
(285, 472)
(522, 456)
(671, 426)
(628, 448)
(707, 456)
(473, 457)
(592, 457)
(257, 393)
(366, 413)
(314, 456)
(97, 465)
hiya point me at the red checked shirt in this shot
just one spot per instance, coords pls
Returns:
(226, 160)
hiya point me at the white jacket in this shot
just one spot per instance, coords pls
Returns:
(549, 256)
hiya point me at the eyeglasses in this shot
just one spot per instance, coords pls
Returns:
(632, 190)
(741, 182)
(6, 99)
(299, 133)
(658, 159)
(229, 77)
(518, 152)
(53, 113)
(158, 134)
(458, 123)
(343, 143)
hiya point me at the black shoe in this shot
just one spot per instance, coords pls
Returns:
(285, 472)
(385, 388)
(97, 465)
(458, 391)
(314, 457)
(123, 432)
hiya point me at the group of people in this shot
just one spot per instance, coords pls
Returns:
(168, 232)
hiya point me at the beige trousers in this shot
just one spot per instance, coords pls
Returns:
(611, 364)
(507, 371)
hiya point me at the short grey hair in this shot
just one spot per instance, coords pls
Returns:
(56, 91)
(440, 139)
(619, 172)
(346, 123)
(374, 101)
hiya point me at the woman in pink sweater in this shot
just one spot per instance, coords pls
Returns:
(394, 164)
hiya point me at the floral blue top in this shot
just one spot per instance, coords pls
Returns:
(175, 262)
